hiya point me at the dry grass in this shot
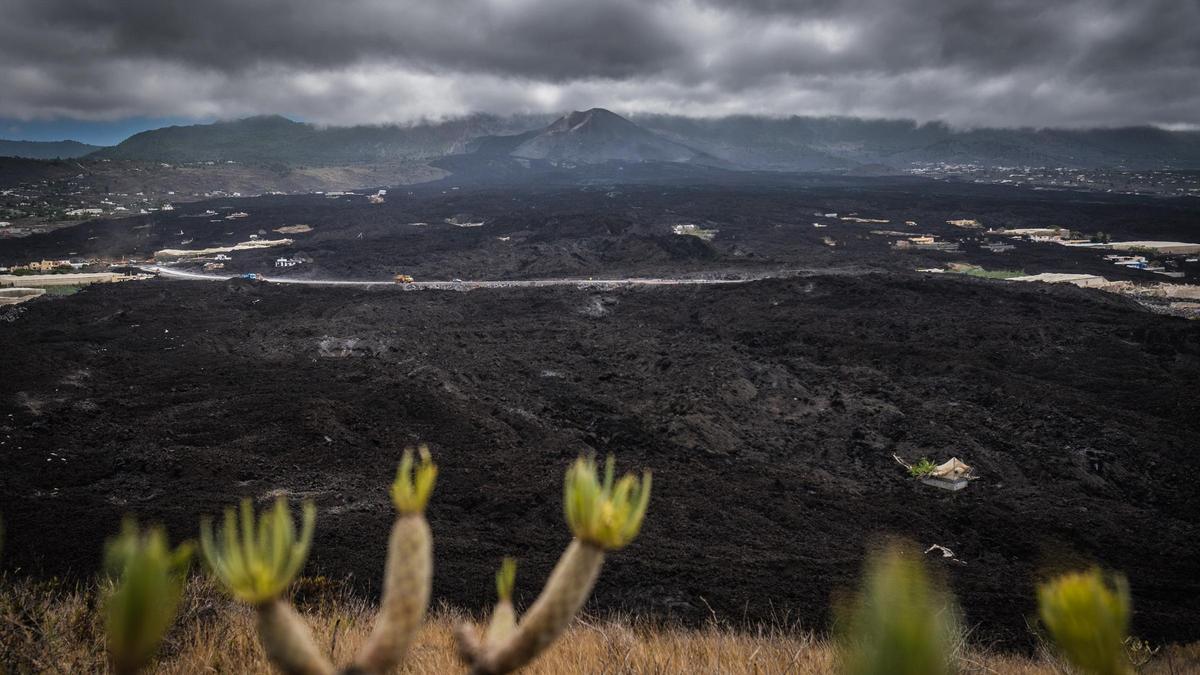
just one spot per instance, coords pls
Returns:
(46, 628)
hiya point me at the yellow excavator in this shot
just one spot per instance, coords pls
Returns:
(404, 279)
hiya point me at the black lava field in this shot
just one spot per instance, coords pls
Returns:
(764, 223)
(769, 411)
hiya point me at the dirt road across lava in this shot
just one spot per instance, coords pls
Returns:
(460, 285)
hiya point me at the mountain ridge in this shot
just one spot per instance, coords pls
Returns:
(65, 149)
(599, 135)
(277, 139)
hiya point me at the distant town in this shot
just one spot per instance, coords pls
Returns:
(39, 197)
(37, 206)
(1165, 183)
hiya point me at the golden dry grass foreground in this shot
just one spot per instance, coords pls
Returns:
(46, 627)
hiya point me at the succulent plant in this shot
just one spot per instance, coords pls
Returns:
(1088, 618)
(413, 484)
(603, 516)
(606, 515)
(259, 562)
(148, 579)
(256, 557)
(256, 563)
(899, 623)
(408, 572)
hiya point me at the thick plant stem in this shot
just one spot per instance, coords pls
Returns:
(407, 579)
(503, 623)
(288, 641)
(565, 592)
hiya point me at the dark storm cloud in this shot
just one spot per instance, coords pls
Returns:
(999, 62)
(545, 40)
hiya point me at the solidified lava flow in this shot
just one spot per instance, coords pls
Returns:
(769, 411)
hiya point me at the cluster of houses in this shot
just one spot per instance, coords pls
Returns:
(114, 208)
(48, 266)
(85, 265)
(1140, 262)
(1137, 262)
(1134, 254)
(1053, 234)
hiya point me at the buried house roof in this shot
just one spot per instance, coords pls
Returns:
(952, 469)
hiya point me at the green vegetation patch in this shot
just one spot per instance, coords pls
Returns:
(64, 289)
(922, 468)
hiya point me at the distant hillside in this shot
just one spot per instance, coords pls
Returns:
(275, 139)
(46, 149)
(596, 136)
(817, 143)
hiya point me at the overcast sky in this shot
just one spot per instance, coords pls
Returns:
(970, 63)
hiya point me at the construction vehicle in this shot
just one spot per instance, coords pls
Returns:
(404, 279)
(251, 276)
